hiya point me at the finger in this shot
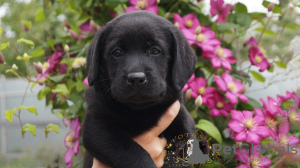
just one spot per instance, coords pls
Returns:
(159, 162)
(97, 164)
(166, 119)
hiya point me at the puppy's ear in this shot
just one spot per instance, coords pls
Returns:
(94, 55)
(184, 59)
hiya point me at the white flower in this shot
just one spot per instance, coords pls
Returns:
(79, 62)
(15, 67)
(67, 48)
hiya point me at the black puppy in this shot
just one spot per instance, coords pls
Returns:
(137, 66)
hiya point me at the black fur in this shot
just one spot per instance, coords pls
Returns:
(117, 110)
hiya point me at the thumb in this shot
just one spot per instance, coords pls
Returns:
(166, 119)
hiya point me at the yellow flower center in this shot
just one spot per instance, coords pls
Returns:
(231, 86)
(45, 66)
(255, 163)
(258, 59)
(189, 23)
(200, 37)
(142, 4)
(201, 90)
(249, 124)
(69, 139)
(293, 116)
(271, 123)
(221, 52)
(283, 140)
(220, 105)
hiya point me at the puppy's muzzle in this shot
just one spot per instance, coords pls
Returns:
(136, 79)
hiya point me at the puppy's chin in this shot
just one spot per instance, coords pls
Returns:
(141, 101)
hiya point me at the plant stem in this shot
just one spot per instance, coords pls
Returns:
(238, 53)
(264, 29)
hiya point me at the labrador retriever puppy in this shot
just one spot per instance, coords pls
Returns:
(137, 65)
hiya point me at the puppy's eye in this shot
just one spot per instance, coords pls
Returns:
(117, 53)
(155, 51)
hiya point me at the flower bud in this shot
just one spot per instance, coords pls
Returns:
(93, 25)
(238, 144)
(67, 24)
(1, 58)
(38, 68)
(15, 67)
(271, 7)
(25, 27)
(188, 94)
(244, 89)
(66, 48)
(198, 101)
(198, 30)
(176, 25)
(74, 35)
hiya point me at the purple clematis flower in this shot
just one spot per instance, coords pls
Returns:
(218, 106)
(198, 87)
(205, 39)
(85, 81)
(186, 86)
(72, 141)
(248, 128)
(250, 158)
(273, 106)
(270, 121)
(149, 5)
(221, 57)
(256, 56)
(88, 26)
(189, 21)
(217, 7)
(283, 137)
(233, 88)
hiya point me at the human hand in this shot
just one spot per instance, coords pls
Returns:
(150, 141)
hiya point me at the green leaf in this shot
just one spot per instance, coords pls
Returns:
(226, 26)
(40, 15)
(241, 8)
(43, 92)
(33, 84)
(276, 7)
(267, 32)
(9, 114)
(58, 78)
(4, 45)
(60, 88)
(242, 19)
(210, 129)
(60, 115)
(30, 128)
(0, 31)
(38, 52)
(60, 0)
(31, 109)
(280, 64)
(27, 23)
(29, 42)
(258, 76)
(51, 127)
(51, 43)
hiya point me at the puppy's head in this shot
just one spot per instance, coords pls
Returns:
(140, 58)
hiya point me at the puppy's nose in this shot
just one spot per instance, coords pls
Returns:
(136, 78)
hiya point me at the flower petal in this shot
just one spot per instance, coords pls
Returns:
(253, 137)
(153, 9)
(240, 136)
(130, 9)
(220, 83)
(236, 126)
(231, 97)
(264, 162)
(68, 156)
(237, 115)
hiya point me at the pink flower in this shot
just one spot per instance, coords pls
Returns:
(218, 106)
(189, 21)
(270, 121)
(248, 128)
(66, 122)
(256, 56)
(206, 39)
(85, 81)
(149, 5)
(72, 142)
(220, 57)
(88, 26)
(283, 137)
(217, 7)
(233, 88)
(198, 87)
(272, 106)
(250, 158)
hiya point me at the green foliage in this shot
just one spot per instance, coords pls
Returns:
(51, 127)
(210, 129)
(9, 114)
(258, 76)
(30, 128)
(31, 109)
